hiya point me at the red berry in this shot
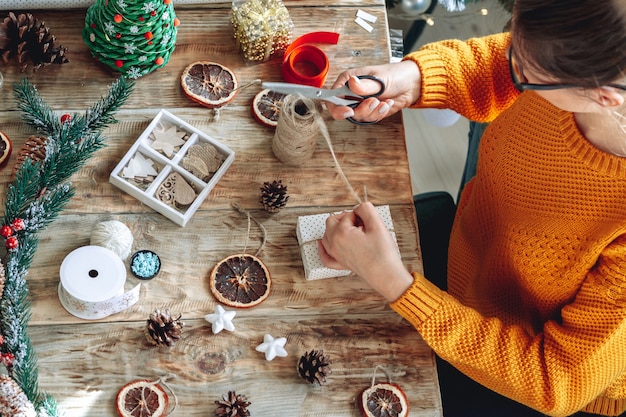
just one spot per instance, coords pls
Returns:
(7, 359)
(176, 21)
(18, 224)
(153, 13)
(6, 231)
(148, 35)
(119, 63)
(66, 118)
(12, 243)
(159, 61)
(117, 18)
(167, 1)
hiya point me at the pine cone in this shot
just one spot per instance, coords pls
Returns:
(314, 367)
(13, 401)
(33, 148)
(273, 196)
(162, 329)
(232, 405)
(27, 38)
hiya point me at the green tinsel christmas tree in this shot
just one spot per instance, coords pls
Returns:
(34, 199)
(134, 37)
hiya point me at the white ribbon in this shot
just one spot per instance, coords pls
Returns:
(92, 283)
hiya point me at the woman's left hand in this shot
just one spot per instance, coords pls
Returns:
(359, 241)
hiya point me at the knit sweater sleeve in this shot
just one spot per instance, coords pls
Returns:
(470, 77)
(561, 369)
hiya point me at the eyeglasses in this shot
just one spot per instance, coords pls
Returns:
(517, 75)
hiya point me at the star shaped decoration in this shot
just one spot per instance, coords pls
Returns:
(272, 347)
(139, 166)
(167, 140)
(221, 319)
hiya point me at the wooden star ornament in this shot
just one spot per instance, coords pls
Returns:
(168, 140)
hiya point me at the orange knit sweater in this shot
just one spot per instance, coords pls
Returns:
(536, 307)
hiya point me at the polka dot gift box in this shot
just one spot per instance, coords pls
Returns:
(309, 229)
(134, 37)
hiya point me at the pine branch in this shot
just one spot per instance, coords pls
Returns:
(37, 195)
(35, 111)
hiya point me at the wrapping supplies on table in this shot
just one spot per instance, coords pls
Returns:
(92, 283)
(309, 229)
(262, 28)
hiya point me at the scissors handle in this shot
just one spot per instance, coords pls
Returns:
(380, 91)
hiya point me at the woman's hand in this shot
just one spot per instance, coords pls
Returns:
(402, 88)
(359, 241)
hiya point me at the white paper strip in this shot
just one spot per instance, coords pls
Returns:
(366, 16)
(363, 24)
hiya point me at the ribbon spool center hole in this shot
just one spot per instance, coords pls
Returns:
(93, 273)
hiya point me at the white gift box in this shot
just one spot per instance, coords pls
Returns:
(143, 156)
(310, 229)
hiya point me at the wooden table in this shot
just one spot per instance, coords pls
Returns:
(84, 363)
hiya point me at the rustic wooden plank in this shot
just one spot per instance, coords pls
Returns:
(188, 257)
(94, 361)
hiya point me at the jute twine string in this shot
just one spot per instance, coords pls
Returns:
(299, 123)
(163, 380)
(374, 375)
(250, 218)
(296, 132)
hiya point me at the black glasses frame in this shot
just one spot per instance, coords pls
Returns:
(521, 86)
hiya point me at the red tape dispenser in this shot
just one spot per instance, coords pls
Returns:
(307, 64)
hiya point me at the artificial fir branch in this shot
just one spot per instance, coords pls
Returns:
(37, 195)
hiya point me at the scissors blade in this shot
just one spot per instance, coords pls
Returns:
(311, 92)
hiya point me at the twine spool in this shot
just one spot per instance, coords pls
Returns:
(113, 235)
(297, 130)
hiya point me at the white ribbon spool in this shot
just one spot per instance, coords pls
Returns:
(92, 283)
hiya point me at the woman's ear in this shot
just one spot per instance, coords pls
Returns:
(608, 96)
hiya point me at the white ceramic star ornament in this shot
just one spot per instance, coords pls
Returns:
(272, 347)
(221, 319)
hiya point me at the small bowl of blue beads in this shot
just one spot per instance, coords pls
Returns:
(145, 264)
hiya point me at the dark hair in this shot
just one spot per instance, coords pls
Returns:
(580, 42)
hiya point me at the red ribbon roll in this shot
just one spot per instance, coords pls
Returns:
(307, 64)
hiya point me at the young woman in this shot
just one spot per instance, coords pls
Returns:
(535, 307)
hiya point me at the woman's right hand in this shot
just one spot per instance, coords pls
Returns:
(402, 88)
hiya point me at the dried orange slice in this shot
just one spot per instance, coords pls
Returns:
(266, 107)
(141, 398)
(6, 146)
(383, 400)
(209, 83)
(240, 280)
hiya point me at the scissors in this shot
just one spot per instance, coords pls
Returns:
(342, 96)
